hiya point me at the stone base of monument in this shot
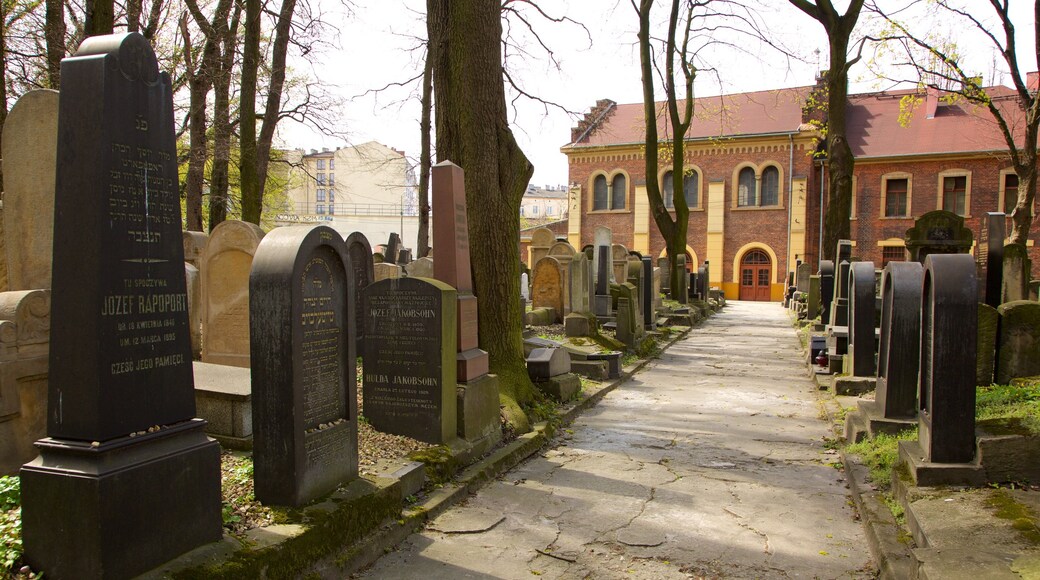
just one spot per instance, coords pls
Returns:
(542, 316)
(577, 325)
(223, 398)
(1003, 452)
(602, 306)
(835, 363)
(597, 370)
(868, 421)
(122, 507)
(854, 386)
(561, 387)
(613, 360)
(479, 420)
(410, 474)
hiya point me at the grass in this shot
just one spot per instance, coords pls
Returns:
(880, 454)
(10, 526)
(1019, 402)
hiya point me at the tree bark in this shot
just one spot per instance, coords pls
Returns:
(252, 195)
(218, 181)
(283, 32)
(473, 131)
(100, 18)
(423, 241)
(55, 37)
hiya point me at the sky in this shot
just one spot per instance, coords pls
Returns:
(373, 49)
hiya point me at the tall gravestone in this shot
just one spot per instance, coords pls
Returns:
(826, 290)
(646, 293)
(194, 252)
(946, 420)
(225, 292)
(1018, 343)
(986, 347)
(991, 257)
(127, 479)
(684, 280)
(393, 248)
(861, 319)
(409, 378)
(563, 252)
(900, 349)
(582, 288)
(840, 305)
(30, 145)
(602, 303)
(541, 240)
(619, 262)
(1015, 275)
(602, 237)
(812, 300)
(801, 277)
(547, 288)
(359, 252)
(303, 376)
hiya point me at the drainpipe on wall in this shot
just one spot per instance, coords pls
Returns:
(790, 199)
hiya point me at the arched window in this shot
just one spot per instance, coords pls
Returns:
(619, 191)
(770, 186)
(746, 194)
(599, 193)
(691, 185)
(668, 189)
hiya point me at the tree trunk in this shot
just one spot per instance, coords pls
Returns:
(283, 32)
(473, 131)
(252, 195)
(423, 241)
(55, 37)
(218, 181)
(133, 16)
(840, 162)
(100, 18)
(198, 89)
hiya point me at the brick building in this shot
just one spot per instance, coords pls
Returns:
(756, 194)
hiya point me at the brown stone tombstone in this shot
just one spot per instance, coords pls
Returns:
(195, 247)
(547, 288)
(303, 374)
(127, 478)
(541, 240)
(225, 292)
(619, 261)
(564, 253)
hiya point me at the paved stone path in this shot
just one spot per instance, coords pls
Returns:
(710, 462)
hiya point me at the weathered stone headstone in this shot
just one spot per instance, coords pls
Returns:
(547, 289)
(991, 257)
(861, 319)
(947, 381)
(25, 322)
(684, 281)
(384, 271)
(404, 257)
(127, 479)
(525, 286)
(581, 287)
(393, 248)
(900, 349)
(812, 301)
(658, 299)
(826, 290)
(541, 240)
(421, 268)
(564, 253)
(602, 270)
(840, 305)
(626, 320)
(986, 350)
(359, 254)
(646, 294)
(193, 281)
(1019, 341)
(801, 277)
(603, 237)
(410, 348)
(30, 145)
(1016, 268)
(303, 374)
(938, 232)
(195, 247)
(702, 281)
(225, 292)
(619, 262)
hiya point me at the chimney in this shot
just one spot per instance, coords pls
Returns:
(931, 102)
(1033, 81)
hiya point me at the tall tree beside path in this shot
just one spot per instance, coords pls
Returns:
(938, 66)
(840, 162)
(472, 128)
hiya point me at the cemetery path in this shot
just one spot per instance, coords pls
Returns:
(709, 462)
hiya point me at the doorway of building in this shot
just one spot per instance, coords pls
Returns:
(755, 268)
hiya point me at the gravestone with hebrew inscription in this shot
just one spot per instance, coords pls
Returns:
(359, 252)
(127, 478)
(225, 292)
(303, 375)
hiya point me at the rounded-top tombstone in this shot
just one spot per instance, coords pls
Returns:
(900, 348)
(547, 286)
(225, 292)
(359, 252)
(862, 304)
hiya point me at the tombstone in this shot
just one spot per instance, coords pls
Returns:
(547, 288)
(900, 349)
(195, 247)
(826, 290)
(304, 371)
(393, 248)
(647, 294)
(946, 419)
(684, 281)
(359, 259)
(383, 271)
(986, 351)
(658, 299)
(421, 268)
(634, 276)
(1019, 341)
(25, 322)
(702, 282)
(603, 237)
(812, 300)
(801, 277)
(938, 232)
(541, 240)
(843, 251)
(110, 495)
(564, 253)
(409, 383)
(1016, 268)
(477, 403)
(404, 257)
(991, 257)
(861, 319)
(225, 292)
(602, 305)
(840, 305)
(619, 262)
(525, 286)
(193, 281)
(1034, 290)
(626, 320)
(30, 145)
(581, 287)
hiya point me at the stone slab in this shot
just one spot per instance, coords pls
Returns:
(561, 387)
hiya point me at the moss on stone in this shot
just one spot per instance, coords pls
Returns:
(1022, 519)
(440, 464)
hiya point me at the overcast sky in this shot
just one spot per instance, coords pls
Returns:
(375, 41)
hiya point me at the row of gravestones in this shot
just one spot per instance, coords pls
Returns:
(124, 456)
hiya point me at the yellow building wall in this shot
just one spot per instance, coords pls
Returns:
(715, 241)
(574, 217)
(798, 221)
(641, 221)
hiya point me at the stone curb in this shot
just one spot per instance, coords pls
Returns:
(893, 558)
(468, 481)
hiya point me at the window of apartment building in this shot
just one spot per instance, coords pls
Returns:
(521, 211)
(599, 193)
(746, 190)
(896, 191)
(691, 186)
(332, 208)
(770, 186)
(321, 179)
(321, 165)
(534, 210)
(319, 209)
(332, 163)
(955, 193)
(332, 179)
(892, 254)
(1010, 192)
(619, 191)
(321, 195)
(332, 195)
(549, 210)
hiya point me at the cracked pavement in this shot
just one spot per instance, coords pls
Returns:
(708, 463)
